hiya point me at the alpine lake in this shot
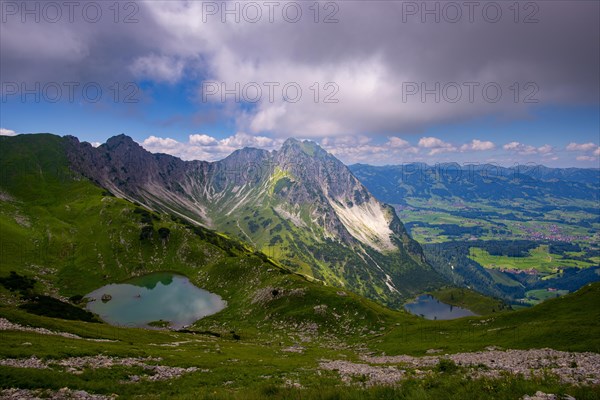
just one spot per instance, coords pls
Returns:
(156, 300)
(429, 307)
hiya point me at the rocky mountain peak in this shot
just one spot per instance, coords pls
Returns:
(299, 203)
(294, 148)
(120, 140)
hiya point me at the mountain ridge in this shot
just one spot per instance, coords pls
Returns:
(298, 204)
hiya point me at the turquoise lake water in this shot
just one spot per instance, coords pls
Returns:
(159, 296)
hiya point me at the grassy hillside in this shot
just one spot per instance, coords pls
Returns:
(570, 323)
(74, 238)
(254, 368)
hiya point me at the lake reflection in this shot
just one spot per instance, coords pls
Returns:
(154, 297)
(429, 307)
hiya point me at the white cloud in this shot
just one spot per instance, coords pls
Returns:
(95, 144)
(163, 143)
(511, 146)
(478, 145)
(586, 158)
(545, 149)
(592, 149)
(207, 148)
(436, 145)
(581, 147)
(202, 140)
(431, 142)
(242, 139)
(160, 68)
(396, 142)
(7, 132)
(520, 148)
(267, 119)
(361, 149)
(346, 140)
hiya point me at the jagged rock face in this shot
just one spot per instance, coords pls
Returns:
(299, 205)
(127, 170)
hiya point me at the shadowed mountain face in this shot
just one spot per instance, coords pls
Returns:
(299, 205)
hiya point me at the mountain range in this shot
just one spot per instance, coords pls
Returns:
(299, 205)
(303, 208)
(395, 183)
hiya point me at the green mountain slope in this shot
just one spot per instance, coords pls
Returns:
(74, 237)
(300, 205)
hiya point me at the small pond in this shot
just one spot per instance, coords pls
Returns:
(429, 307)
(166, 297)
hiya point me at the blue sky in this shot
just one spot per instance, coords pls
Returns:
(362, 79)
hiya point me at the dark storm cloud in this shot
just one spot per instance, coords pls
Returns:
(373, 50)
(77, 49)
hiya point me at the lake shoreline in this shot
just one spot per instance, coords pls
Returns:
(160, 296)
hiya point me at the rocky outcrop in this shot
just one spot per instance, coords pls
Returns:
(76, 365)
(572, 368)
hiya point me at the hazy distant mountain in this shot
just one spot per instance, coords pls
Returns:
(393, 184)
(300, 205)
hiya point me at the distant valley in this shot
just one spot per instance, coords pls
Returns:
(524, 233)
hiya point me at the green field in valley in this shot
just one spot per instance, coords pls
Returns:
(539, 295)
(539, 259)
(500, 220)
